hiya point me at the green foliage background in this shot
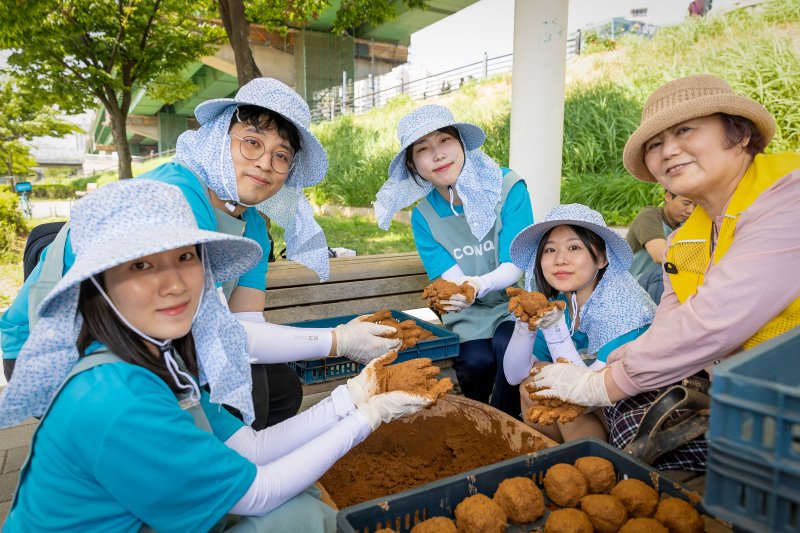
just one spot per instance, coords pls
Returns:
(756, 50)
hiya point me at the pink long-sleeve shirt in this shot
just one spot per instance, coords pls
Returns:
(757, 278)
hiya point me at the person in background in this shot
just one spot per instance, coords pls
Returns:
(572, 256)
(131, 358)
(647, 237)
(469, 212)
(252, 152)
(730, 280)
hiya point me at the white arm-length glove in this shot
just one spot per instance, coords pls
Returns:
(274, 343)
(571, 383)
(519, 359)
(554, 328)
(361, 341)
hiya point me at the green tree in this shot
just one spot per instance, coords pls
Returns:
(23, 116)
(80, 51)
(283, 15)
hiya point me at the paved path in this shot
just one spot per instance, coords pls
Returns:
(51, 208)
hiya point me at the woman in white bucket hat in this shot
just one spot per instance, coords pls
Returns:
(470, 211)
(253, 152)
(730, 275)
(574, 257)
(117, 366)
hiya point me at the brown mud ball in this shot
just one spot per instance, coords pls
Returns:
(480, 514)
(437, 524)
(521, 499)
(568, 521)
(638, 498)
(416, 376)
(408, 331)
(643, 525)
(530, 306)
(599, 473)
(605, 512)
(565, 485)
(679, 516)
(548, 411)
(442, 289)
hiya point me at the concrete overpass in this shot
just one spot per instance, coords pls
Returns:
(309, 60)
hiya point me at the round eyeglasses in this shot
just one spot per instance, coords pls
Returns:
(252, 149)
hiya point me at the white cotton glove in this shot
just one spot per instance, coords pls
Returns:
(458, 302)
(361, 341)
(571, 383)
(551, 318)
(364, 385)
(391, 406)
(559, 341)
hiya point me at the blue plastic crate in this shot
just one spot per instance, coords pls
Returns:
(319, 370)
(753, 477)
(404, 510)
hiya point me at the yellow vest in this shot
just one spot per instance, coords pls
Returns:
(688, 257)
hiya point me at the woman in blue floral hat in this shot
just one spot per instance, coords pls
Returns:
(117, 367)
(572, 256)
(470, 210)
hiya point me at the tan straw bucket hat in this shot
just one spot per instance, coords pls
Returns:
(684, 99)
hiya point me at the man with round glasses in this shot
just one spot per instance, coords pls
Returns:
(252, 153)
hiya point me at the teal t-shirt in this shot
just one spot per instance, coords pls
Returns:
(516, 214)
(116, 451)
(581, 339)
(14, 330)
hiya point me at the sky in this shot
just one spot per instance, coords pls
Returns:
(487, 26)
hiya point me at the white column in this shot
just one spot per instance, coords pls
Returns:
(537, 98)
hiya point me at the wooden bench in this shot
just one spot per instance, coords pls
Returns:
(357, 285)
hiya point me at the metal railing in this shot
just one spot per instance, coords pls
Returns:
(376, 91)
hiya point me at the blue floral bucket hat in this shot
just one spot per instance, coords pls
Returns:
(618, 303)
(311, 162)
(478, 185)
(120, 222)
(207, 153)
(524, 246)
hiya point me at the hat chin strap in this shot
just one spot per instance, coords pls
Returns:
(450, 190)
(165, 347)
(230, 205)
(574, 302)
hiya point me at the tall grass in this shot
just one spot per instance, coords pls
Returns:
(751, 48)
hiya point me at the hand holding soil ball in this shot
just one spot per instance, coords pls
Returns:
(440, 293)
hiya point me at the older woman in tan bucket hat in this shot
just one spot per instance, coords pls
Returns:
(730, 272)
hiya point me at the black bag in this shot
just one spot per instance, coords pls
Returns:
(41, 236)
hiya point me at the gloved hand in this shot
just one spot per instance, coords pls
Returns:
(473, 281)
(361, 341)
(459, 302)
(550, 318)
(391, 406)
(571, 383)
(559, 341)
(365, 384)
(456, 303)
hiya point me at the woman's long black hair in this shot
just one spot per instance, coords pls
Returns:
(593, 242)
(100, 323)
